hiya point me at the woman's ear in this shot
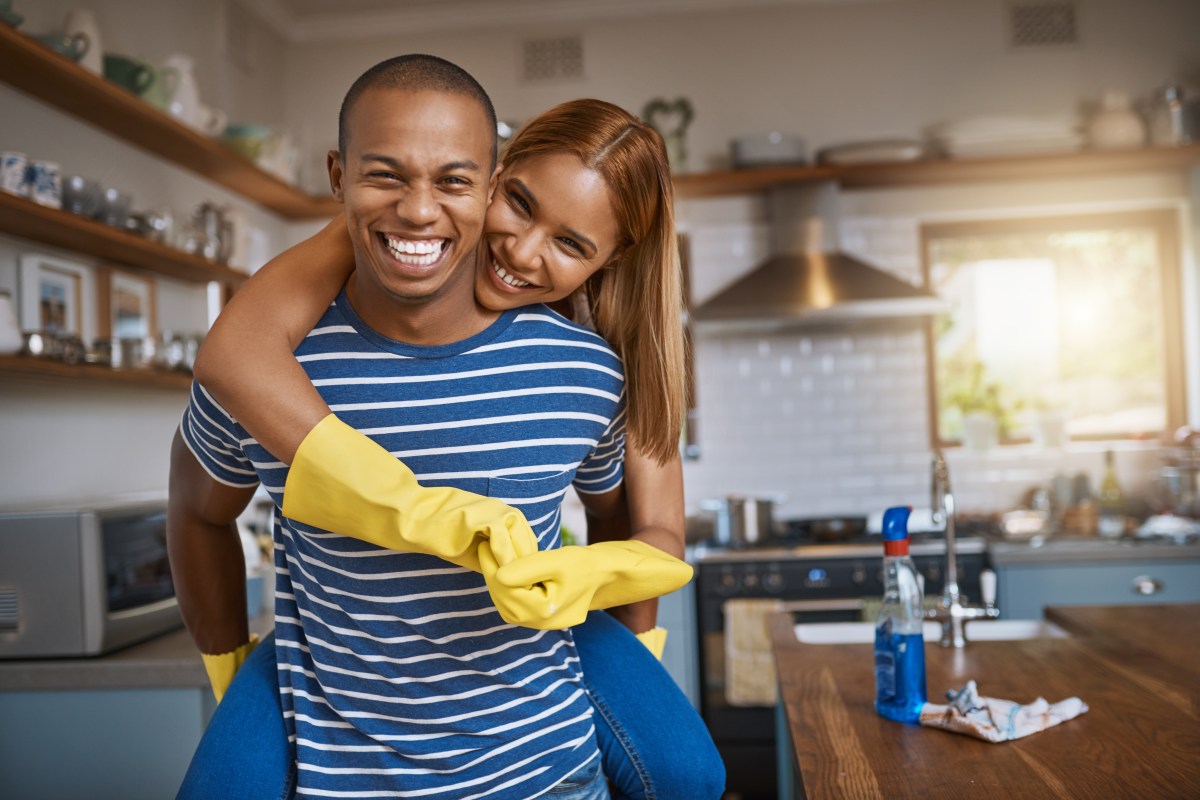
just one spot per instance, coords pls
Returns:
(337, 169)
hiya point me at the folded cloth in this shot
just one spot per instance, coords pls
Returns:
(997, 720)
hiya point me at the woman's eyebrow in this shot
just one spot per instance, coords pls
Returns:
(529, 198)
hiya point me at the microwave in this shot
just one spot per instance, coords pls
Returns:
(84, 580)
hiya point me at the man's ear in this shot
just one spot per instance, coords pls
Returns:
(495, 180)
(333, 162)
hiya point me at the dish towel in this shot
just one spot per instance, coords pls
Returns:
(997, 720)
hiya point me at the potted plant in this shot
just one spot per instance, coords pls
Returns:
(986, 416)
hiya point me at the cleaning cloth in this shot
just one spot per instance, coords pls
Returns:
(997, 720)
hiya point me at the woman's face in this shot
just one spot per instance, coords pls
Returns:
(549, 227)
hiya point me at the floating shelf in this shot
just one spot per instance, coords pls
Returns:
(931, 172)
(35, 69)
(38, 370)
(52, 226)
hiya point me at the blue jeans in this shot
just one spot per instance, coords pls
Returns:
(653, 743)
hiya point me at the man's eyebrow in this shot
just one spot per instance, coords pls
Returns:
(466, 164)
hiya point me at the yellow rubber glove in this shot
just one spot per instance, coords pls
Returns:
(344, 482)
(655, 640)
(221, 667)
(554, 589)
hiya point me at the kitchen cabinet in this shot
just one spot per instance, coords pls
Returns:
(1092, 572)
(37, 70)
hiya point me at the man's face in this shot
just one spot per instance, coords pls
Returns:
(415, 182)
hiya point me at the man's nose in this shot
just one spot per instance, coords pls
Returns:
(418, 205)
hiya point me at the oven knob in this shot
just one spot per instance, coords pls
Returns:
(773, 582)
(750, 581)
(726, 583)
(858, 575)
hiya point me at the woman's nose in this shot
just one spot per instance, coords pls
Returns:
(524, 250)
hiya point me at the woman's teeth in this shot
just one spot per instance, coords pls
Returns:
(510, 279)
(415, 253)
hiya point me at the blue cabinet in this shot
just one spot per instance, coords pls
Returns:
(1029, 579)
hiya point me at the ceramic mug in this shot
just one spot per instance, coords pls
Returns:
(14, 173)
(74, 46)
(130, 73)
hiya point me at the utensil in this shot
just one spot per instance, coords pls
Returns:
(742, 520)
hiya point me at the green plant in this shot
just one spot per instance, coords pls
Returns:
(975, 393)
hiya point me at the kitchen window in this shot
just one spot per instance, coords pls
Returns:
(1060, 326)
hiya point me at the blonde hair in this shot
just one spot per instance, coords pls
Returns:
(636, 299)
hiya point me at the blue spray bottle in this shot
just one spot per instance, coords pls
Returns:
(899, 644)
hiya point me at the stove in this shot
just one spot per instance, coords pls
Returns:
(801, 571)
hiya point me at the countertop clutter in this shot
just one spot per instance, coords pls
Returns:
(1133, 665)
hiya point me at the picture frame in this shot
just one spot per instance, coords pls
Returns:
(128, 306)
(56, 295)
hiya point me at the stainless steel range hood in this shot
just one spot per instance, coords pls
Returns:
(807, 285)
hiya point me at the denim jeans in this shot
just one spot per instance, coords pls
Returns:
(653, 743)
(587, 783)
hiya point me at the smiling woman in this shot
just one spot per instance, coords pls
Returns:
(1078, 316)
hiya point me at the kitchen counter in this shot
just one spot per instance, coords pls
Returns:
(169, 661)
(1091, 550)
(1135, 667)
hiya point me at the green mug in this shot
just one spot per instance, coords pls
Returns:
(134, 75)
(162, 87)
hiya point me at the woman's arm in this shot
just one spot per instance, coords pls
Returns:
(648, 508)
(247, 361)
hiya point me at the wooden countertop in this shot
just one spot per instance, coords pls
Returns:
(1135, 667)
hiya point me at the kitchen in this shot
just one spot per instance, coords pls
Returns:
(835, 422)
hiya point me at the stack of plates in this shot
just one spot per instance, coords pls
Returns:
(1007, 135)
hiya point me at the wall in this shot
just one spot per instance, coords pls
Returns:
(838, 422)
(66, 440)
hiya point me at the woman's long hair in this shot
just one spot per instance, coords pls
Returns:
(636, 299)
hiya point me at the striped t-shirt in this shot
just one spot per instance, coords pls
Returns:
(398, 676)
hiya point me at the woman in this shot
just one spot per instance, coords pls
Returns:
(535, 252)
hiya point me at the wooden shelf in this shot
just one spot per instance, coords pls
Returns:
(932, 172)
(37, 70)
(24, 218)
(37, 370)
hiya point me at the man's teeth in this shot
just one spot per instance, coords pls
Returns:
(415, 253)
(511, 280)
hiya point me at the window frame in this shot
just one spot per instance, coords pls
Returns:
(1164, 222)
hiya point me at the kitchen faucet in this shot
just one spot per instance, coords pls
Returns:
(951, 611)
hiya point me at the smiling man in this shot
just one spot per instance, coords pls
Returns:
(398, 676)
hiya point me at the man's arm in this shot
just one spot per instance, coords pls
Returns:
(648, 507)
(207, 565)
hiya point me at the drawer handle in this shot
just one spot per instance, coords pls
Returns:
(1145, 585)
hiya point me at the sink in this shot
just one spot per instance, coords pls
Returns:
(997, 630)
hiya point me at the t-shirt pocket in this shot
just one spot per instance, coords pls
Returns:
(539, 499)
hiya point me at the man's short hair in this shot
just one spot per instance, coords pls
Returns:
(417, 72)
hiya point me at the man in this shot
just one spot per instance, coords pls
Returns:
(398, 676)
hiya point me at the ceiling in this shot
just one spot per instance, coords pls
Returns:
(340, 20)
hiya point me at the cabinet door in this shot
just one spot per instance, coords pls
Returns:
(677, 613)
(1024, 591)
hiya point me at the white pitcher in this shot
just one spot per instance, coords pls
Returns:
(183, 103)
(83, 21)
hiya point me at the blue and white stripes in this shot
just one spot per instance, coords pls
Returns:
(399, 679)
